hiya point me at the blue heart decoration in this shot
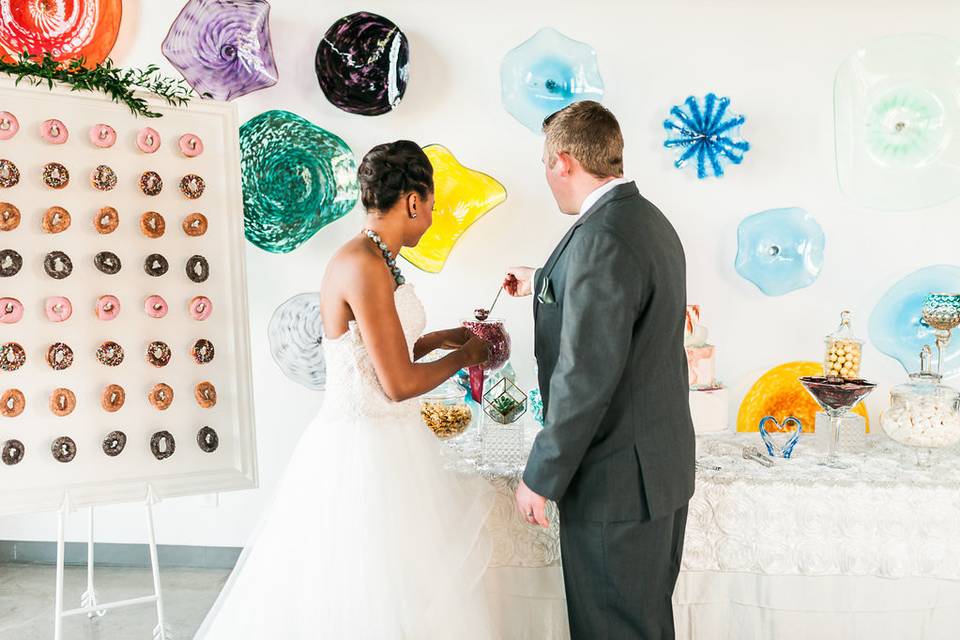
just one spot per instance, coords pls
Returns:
(780, 443)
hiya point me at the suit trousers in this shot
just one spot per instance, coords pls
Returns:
(619, 576)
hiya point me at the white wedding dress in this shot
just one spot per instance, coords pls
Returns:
(369, 535)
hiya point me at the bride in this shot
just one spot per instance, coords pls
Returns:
(369, 535)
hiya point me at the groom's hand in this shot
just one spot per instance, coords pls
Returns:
(519, 281)
(533, 507)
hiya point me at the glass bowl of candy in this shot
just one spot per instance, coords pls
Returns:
(445, 410)
(493, 331)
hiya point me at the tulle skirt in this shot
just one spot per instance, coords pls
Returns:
(369, 536)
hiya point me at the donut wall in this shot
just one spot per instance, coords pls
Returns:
(124, 348)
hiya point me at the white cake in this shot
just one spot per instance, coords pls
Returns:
(708, 398)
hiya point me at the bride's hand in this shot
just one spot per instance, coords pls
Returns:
(477, 351)
(455, 338)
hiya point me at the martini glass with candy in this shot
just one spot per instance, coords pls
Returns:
(493, 332)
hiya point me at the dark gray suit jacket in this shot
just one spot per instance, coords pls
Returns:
(618, 442)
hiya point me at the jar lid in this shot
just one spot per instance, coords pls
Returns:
(449, 390)
(844, 332)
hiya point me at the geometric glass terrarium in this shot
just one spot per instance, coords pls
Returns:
(505, 402)
(501, 431)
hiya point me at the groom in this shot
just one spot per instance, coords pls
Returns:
(617, 448)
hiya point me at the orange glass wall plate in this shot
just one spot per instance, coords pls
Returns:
(68, 29)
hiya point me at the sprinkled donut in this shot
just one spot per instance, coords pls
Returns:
(110, 353)
(152, 224)
(54, 131)
(200, 308)
(55, 220)
(195, 224)
(155, 306)
(9, 174)
(155, 265)
(205, 394)
(12, 356)
(207, 439)
(9, 125)
(151, 183)
(192, 186)
(162, 445)
(106, 220)
(202, 351)
(148, 140)
(10, 263)
(11, 310)
(103, 178)
(62, 402)
(64, 449)
(158, 353)
(9, 217)
(198, 269)
(107, 262)
(190, 145)
(12, 452)
(108, 307)
(161, 396)
(12, 403)
(114, 442)
(58, 265)
(55, 175)
(103, 136)
(112, 398)
(59, 356)
(57, 308)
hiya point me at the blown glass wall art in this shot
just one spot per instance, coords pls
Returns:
(362, 64)
(296, 177)
(896, 325)
(706, 134)
(780, 250)
(896, 122)
(462, 195)
(296, 340)
(546, 73)
(68, 29)
(222, 47)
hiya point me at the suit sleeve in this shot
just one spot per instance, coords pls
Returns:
(601, 302)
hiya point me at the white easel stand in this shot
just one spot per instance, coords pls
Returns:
(88, 600)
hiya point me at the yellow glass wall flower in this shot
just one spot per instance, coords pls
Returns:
(778, 393)
(462, 196)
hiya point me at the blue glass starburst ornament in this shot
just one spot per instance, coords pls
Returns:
(708, 134)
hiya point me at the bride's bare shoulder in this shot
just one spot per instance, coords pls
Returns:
(352, 264)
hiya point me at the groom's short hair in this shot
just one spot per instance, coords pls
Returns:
(589, 132)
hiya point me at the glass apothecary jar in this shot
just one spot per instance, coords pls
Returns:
(842, 354)
(445, 410)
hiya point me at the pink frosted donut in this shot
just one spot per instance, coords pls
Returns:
(9, 125)
(148, 140)
(108, 307)
(155, 306)
(102, 135)
(190, 145)
(200, 308)
(54, 131)
(10, 310)
(58, 309)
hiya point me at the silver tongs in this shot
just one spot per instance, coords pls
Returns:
(752, 453)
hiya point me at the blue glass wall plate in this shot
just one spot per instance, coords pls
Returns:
(896, 324)
(296, 340)
(546, 73)
(780, 250)
(706, 135)
(297, 178)
(896, 119)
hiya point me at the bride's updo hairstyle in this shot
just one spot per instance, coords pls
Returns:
(391, 170)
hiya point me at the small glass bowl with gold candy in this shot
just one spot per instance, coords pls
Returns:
(843, 350)
(445, 410)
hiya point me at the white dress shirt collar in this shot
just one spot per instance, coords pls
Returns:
(599, 192)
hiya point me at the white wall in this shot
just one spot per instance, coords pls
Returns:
(776, 60)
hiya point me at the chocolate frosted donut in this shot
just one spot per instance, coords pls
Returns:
(107, 262)
(158, 353)
(59, 356)
(114, 442)
(12, 356)
(55, 220)
(152, 224)
(155, 265)
(162, 445)
(150, 183)
(55, 175)
(58, 265)
(10, 217)
(161, 396)
(207, 439)
(110, 353)
(112, 398)
(198, 269)
(10, 263)
(192, 186)
(202, 351)
(12, 452)
(62, 402)
(106, 220)
(9, 174)
(205, 394)
(103, 178)
(12, 403)
(195, 224)
(64, 449)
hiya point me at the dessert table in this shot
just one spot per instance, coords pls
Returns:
(795, 550)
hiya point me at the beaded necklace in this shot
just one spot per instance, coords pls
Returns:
(387, 256)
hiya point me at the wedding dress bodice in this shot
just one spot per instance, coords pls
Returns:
(353, 389)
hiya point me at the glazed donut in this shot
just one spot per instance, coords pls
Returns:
(200, 308)
(190, 145)
(108, 307)
(10, 263)
(54, 131)
(155, 265)
(62, 402)
(148, 140)
(205, 394)
(155, 306)
(59, 356)
(55, 175)
(106, 220)
(55, 220)
(64, 449)
(9, 217)
(103, 178)
(9, 174)
(9, 125)
(152, 224)
(58, 265)
(158, 353)
(12, 403)
(12, 452)
(150, 183)
(103, 136)
(57, 308)
(107, 262)
(11, 311)
(112, 398)
(114, 442)
(162, 445)
(198, 269)
(192, 186)
(110, 353)
(161, 396)
(195, 224)
(207, 439)
(202, 351)
(12, 356)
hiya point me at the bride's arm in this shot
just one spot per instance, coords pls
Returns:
(444, 339)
